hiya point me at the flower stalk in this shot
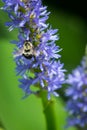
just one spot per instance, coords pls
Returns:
(36, 53)
(49, 111)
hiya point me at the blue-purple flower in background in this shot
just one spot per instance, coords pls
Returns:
(77, 93)
(36, 54)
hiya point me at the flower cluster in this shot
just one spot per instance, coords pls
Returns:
(38, 65)
(77, 92)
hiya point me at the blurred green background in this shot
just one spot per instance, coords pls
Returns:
(18, 114)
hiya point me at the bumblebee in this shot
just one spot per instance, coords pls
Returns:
(27, 50)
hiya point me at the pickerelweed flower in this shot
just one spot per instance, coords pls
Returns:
(36, 54)
(77, 93)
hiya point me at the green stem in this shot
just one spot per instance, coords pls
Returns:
(49, 111)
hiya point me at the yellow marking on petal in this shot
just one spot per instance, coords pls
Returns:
(25, 1)
(32, 15)
(38, 36)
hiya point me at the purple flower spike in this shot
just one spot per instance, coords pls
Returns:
(36, 54)
(77, 93)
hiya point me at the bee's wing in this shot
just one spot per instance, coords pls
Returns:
(18, 53)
